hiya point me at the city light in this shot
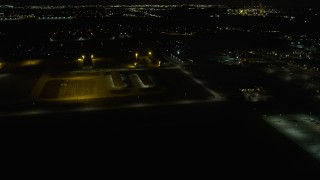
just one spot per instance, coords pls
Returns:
(31, 62)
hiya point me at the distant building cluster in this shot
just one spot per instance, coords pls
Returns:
(251, 11)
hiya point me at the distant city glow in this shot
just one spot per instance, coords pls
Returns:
(31, 62)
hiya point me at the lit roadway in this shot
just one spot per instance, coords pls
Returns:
(302, 129)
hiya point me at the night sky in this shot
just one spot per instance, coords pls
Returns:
(284, 3)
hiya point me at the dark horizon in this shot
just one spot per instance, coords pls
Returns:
(283, 3)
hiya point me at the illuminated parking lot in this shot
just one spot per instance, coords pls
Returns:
(108, 84)
(303, 129)
(103, 89)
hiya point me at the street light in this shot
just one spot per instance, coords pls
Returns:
(150, 53)
(136, 55)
